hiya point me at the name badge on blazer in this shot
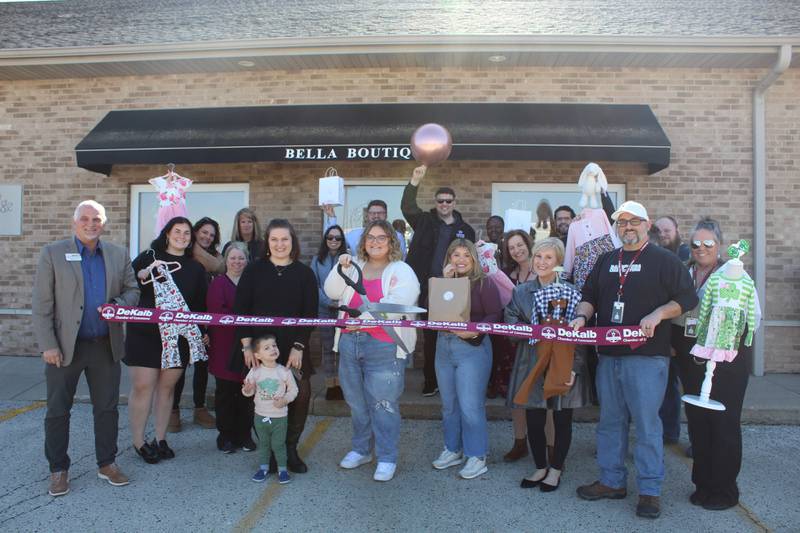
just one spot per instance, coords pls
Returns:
(72, 257)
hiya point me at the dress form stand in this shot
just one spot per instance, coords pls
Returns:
(734, 269)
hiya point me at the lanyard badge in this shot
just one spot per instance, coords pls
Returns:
(618, 308)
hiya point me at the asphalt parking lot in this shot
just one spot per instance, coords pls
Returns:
(204, 490)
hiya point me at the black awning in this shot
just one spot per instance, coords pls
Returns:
(481, 131)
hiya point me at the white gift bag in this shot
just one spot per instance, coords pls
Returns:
(331, 188)
(518, 219)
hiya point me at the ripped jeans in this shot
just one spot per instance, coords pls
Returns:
(372, 379)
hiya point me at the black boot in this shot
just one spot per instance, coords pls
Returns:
(295, 464)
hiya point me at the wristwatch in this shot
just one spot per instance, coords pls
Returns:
(298, 346)
(245, 348)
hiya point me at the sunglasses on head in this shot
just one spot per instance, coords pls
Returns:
(444, 200)
(334, 238)
(708, 243)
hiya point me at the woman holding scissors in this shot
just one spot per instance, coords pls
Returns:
(372, 359)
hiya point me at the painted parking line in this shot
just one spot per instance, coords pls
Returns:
(743, 510)
(260, 506)
(11, 413)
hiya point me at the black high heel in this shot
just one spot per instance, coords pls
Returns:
(148, 453)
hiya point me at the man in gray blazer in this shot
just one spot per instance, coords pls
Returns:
(74, 278)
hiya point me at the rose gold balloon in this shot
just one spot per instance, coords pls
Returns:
(431, 144)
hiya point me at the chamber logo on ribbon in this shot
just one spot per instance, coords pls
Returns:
(483, 327)
(289, 321)
(108, 312)
(227, 319)
(166, 316)
(613, 335)
(549, 333)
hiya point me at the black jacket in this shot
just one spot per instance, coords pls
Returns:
(426, 234)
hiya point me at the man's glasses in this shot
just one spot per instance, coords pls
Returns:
(621, 222)
(444, 200)
(708, 243)
(377, 238)
(334, 238)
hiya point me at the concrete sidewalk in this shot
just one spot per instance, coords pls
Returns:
(771, 399)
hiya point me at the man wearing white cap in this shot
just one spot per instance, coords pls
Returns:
(642, 285)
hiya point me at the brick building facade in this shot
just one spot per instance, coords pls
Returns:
(706, 113)
(705, 106)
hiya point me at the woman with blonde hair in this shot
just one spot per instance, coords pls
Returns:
(247, 229)
(547, 255)
(463, 365)
(371, 364)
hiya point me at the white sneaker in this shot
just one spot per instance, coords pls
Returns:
(475, 467)
(447, 459)
(354, 460)
(384, 471)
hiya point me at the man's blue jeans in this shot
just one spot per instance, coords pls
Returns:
(631, 388)
(372, 379)
(462, 371)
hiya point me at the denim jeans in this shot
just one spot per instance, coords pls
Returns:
(631, 387)
(462, 371)
(372, 379)
(670, 411)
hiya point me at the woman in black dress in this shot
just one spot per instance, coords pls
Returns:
(204, 251)
(143, 344)
(280, 285)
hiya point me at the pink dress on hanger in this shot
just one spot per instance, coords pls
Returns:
(171, 198)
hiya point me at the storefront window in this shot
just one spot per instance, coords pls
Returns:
(526, 196)
(218, 201)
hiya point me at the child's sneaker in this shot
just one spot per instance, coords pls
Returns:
(284, 477)
(260, 476)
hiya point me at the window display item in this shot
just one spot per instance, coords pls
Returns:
(171, 193)
(518, 219)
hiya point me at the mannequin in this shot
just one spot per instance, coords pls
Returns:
(590, 234)
(730, 304)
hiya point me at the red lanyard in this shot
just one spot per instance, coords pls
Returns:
(705, 278)
(624, 277)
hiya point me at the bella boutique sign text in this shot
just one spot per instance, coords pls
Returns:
(347, 153)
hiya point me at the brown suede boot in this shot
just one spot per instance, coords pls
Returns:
(519, 451)
(203, 418)
(174, 424)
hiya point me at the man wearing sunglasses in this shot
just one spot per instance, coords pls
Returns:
(434, 230)
(645, 285)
